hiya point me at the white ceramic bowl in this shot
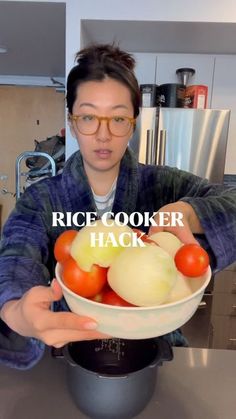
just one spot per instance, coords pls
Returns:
(137, 322)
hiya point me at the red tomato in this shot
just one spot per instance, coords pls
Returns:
(110, 297)
(191, 260)
(63, 244)
(86, 284)
(98, 297)
(145, 238)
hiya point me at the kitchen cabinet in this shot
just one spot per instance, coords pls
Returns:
(155, 34)
(223, 315)
(224, 332)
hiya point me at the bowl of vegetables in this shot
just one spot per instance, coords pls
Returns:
(132, 292)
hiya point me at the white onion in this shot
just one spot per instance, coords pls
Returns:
(103, 255)
(167, 241)
(143, 276)
(180, 290)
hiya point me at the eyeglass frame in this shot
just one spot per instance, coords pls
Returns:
(104, 118)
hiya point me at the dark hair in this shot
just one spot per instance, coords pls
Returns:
(97, 62)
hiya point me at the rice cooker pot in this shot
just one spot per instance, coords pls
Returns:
(114, 378)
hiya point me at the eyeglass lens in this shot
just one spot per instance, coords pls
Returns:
(89, 124)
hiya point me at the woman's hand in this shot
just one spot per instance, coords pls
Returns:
(31, 316)
(191, 223)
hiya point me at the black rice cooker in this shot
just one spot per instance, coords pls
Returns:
(113, 378)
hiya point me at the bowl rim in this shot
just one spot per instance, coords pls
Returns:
(208, 274)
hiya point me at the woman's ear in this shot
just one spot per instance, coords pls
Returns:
(71, 126)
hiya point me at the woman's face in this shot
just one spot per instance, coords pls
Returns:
(102, 151)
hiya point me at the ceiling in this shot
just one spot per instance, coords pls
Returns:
(34, 35)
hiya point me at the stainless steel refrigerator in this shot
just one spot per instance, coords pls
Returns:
(194, 140)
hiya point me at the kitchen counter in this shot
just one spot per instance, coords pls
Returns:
(197, 384)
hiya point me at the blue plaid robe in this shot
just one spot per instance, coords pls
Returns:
(26, 252)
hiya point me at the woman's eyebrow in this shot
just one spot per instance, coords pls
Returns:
(93, 106)
(120, 106)
(87, 104)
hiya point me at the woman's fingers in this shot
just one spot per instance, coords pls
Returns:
(57, 290)
(31, 316)
(68, 320)
(183, 231)
(184, 234)
(59, 328)
(43, 294)
(155, 229)
(61, 337)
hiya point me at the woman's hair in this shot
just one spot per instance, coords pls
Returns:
(97, 62)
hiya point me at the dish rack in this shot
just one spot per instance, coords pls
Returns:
(50, 170)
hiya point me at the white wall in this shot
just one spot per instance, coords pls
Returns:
(224, 96)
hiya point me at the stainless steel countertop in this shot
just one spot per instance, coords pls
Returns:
(197, 384)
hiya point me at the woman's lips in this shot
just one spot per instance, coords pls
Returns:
(103, 153)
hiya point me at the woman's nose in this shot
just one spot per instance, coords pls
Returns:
(103, 133)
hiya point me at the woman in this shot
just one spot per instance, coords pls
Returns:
(103, 103)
